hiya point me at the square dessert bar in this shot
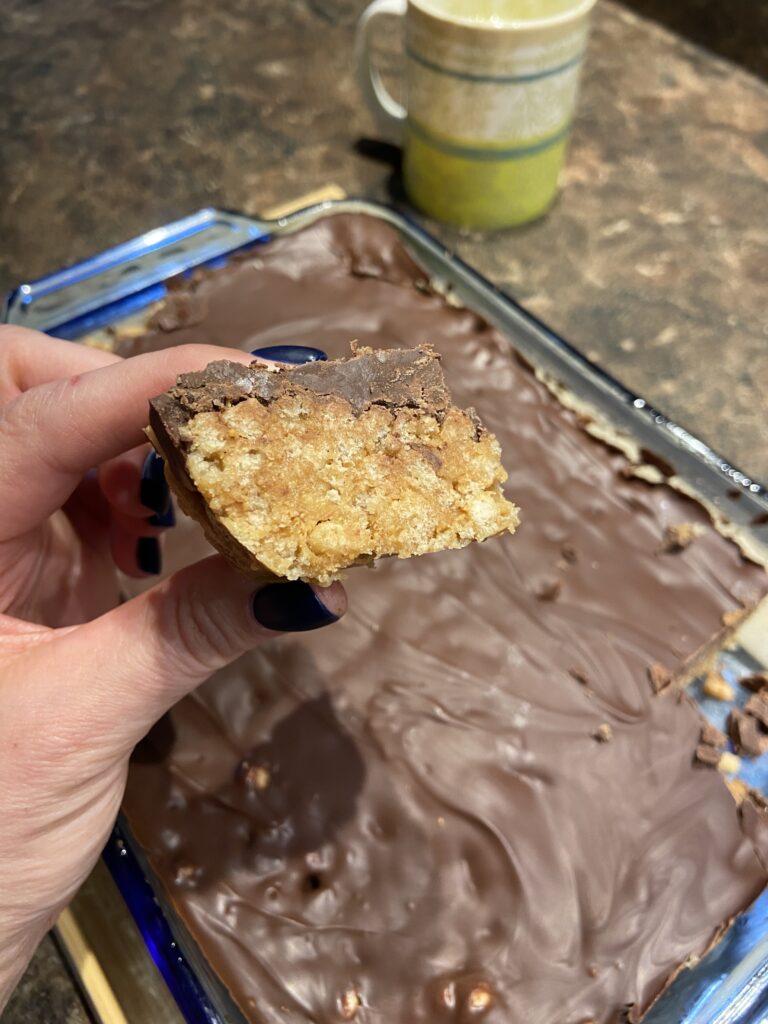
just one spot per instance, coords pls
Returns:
(305, 471)
(464, 801)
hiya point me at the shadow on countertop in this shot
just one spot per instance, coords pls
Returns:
(736, 30)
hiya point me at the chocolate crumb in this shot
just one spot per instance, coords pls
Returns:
(746, 734)
(549, 591)
(593, 970)
(652, 459)
(755, 682)
(180, 310)
(757, 707)
(712, 736)
(660, 677)
(760, 519)
(707, 755)
(603, 733)
(176, 283)
(581, 677)
(679, 536)
(717, 688)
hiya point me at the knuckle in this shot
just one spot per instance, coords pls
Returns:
(26, 420)
(20, 417)
(16, 418)
(205, 639)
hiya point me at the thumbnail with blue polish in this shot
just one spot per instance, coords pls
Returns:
(296, 354)
(164, 520)
(291, 607)
(154, 492)
(148, 555)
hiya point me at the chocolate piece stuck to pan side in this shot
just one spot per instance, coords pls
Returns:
(405, 818)
(305, 471)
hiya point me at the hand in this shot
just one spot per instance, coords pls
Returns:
(83, 677)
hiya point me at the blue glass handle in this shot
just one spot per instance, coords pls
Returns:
(124, 279)
(158, 938)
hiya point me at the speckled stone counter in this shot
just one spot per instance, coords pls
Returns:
(46, 993)
(737, 30)
(654, 260)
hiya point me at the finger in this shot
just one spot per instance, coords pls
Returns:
(87, 508)
(29, 358)
(130, 486)
(51, 435)
(128, 667)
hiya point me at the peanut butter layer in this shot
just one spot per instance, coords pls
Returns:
(305, 471)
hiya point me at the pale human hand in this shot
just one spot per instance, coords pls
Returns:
(83, 677)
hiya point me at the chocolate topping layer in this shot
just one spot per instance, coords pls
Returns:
(404, 378)
(405, 818)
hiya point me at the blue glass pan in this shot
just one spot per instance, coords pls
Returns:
(730, 984)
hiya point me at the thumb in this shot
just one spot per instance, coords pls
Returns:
(126, 668)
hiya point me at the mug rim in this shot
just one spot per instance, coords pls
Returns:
(512, 24)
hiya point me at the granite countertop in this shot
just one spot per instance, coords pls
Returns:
(654, 260)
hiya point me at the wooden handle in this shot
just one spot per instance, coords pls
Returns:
(89, 971)
(319, 195)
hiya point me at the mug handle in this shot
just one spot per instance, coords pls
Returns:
(390, 114)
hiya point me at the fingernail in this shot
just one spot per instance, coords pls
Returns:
(148, 555)
(154, 493)
(292, 607)
(165, 519)
(296, 354)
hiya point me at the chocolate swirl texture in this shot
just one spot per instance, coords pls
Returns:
(408, 817)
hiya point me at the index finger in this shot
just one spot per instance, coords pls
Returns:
(51, 435)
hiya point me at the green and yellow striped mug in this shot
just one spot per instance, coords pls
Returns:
(490, 91)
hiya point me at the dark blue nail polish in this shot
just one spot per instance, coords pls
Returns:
(290, 607)
(296, 354)
(165, 519)
(154, 492)
(148, 555)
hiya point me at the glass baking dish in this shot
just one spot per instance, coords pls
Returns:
(730, 984)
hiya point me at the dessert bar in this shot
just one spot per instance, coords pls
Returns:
(305, 471)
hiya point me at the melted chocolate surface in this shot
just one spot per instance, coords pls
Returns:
(393, 378)
(414, 816)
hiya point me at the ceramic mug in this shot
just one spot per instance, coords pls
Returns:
(490, 91)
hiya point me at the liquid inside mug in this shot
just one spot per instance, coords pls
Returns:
(490, 91)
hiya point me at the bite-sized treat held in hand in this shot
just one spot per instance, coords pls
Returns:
(307, 470)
